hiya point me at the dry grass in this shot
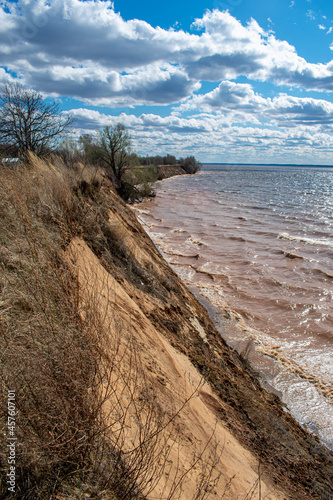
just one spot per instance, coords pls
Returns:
(75, 401)
(49, 355)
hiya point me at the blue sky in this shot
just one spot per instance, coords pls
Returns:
(226, 81)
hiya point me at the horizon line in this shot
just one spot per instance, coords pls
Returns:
(269, 164)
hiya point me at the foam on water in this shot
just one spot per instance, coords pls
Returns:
(308, 241)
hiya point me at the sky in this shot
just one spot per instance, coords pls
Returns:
(235, 81)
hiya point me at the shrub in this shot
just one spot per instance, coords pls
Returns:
(137, 183)
(190, 164)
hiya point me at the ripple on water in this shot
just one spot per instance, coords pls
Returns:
(257, 241)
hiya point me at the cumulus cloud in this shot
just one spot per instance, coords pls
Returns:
(155, 84)
(248, 50)
(85, 49)
(239, 101)
(227, 96)
(305, 110)
(210, 138)
(6, 77)
(87, 119)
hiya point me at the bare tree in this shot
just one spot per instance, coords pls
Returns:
(114, 149)
(28, 122)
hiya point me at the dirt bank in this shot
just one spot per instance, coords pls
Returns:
(173, 380)
(178, 345)
(166, 171)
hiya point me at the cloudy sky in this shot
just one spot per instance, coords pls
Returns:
(225, 80)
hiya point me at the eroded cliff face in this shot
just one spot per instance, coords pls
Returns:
(217, 412)
(166, 171)
(199, 442)
(124, 387)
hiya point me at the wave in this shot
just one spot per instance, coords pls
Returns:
(194, 241)
(178, 254)
(263, 343)
(207, 273)
(200, 269)
(236, 238)
(326, 336)
(196, 269)
(291, 255)
(325, 388)
(141, 210)
(308, 241)
(321, 272)
(258, 207)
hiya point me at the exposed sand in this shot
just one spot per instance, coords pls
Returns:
(173, 379)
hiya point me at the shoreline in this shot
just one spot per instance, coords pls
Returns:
(239, 339)
(253, 413)
(225, 325)
(264, 359)
(262, 363)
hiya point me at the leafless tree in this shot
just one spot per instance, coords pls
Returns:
(29, 122)
(114, 149)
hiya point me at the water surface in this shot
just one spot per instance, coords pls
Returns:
(258, 242)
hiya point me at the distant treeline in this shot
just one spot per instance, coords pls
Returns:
(189, 164)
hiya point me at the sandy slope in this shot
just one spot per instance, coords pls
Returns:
(167, 346)
(173, 379)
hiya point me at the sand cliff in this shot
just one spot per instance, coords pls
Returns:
(259, 449)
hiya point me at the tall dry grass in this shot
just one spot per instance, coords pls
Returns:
(49, 355)
(75, 399)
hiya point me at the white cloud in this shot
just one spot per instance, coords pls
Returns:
(238, 100)
(95, 85)
(86, 50)
(248, 50)
(5, 77)
(294, 110)
(211, 138)
(87, 119)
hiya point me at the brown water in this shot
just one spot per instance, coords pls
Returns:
(258, 243)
